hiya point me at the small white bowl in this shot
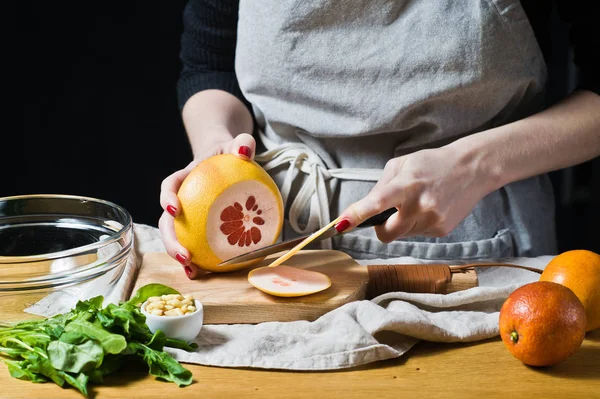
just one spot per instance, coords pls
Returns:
(186, 327)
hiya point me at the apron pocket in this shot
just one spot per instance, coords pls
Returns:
(363, 247)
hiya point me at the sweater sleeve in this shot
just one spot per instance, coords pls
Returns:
(208, 49)
(584, 35)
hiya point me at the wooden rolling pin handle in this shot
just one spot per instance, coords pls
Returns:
(417, 278)
(427, 278)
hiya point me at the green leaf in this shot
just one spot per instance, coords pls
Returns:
(19, 370)
(149, 290)
(157, 342)
(89, 342)
(35, 338)
(12, 352)
(73, 337)
(180, 344)
(75, 358)
(110, 364)
(80, 382)
(111, 343)
(162, 365)
(125, 319)
(41, 365)
(92, 304)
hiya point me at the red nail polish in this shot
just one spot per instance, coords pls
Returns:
(245, 151)
(171, 209)
(188, 271)
(342, 225)
(180, 258)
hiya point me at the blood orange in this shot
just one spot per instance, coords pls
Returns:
(542, 323)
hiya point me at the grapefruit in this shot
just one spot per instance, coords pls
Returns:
(542, 323)
(578, 270)
(287, 281)
(229, 206)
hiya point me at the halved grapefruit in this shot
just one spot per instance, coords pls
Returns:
(229, 206)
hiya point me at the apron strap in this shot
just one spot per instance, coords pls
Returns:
(302, 159)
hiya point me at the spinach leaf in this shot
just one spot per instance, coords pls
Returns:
(111, 343)
(80, 382)
(179, 344)
(12, 352)
(110, 364)
(162, 365)
(158, 340)
(90, 305)
(75, 358)
(128, 318)
(90, 342)
(41, 365)
(149, 290)
(18, 369)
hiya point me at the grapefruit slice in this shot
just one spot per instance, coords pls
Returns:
(287, 281)
(229, 206)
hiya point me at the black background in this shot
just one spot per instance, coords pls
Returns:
(95, 82)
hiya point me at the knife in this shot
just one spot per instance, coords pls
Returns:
(282, 246)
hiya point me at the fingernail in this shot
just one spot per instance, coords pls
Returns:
(171, 209)
(188, 271)
(245, 151)
(180, 258)
(342, 225)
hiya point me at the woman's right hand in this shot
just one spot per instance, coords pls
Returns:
(243, 146)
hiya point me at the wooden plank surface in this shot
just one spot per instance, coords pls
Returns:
(229, 298)
(430, 370)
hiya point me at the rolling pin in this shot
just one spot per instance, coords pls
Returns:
(439, 278)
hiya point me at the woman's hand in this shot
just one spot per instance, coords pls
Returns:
(433, 191)
(243, 146)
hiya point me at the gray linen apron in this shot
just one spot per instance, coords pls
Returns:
(339, 87)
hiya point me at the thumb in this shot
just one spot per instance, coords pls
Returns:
(378, 200)
(244, 146)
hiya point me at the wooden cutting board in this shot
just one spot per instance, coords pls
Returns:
(228, 298)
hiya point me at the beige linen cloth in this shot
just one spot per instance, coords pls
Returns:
(357, 333)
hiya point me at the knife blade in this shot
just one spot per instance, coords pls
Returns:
(289, 244)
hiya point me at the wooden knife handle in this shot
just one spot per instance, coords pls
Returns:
(418, 278)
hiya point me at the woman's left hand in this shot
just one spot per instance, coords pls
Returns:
(433, 190)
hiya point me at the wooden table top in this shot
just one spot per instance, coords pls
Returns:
(483, 369)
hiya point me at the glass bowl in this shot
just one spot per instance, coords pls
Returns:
(58, 249)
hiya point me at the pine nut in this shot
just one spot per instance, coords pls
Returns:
(171, 305)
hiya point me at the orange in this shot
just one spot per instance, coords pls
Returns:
(229, 206)
(578, 270)
(542, 323)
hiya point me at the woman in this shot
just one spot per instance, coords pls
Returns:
(436, 108)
